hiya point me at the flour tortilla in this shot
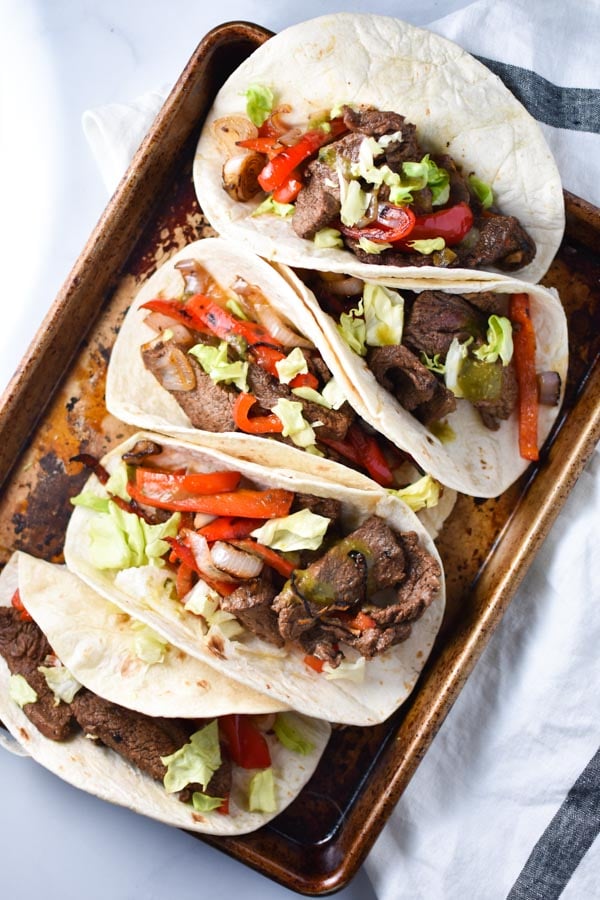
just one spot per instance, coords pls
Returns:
(476, 461)
(135, 396)
(458, 106)
(96, 641)
(98, 770)
(281, 673)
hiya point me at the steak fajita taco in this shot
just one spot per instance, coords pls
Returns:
(468, 383)
(226, 774)
(325, 597)
(218, 347)
(358, 143)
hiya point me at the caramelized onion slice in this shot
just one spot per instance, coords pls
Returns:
(173, 368)
(261, 309)
(240, 175)
(235, 562)
(549, 388)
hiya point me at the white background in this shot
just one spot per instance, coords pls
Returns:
(58, 58)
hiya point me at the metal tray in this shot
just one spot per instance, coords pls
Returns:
(54, 409)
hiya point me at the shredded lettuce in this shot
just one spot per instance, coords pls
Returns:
(482, 191)
(269, 205)
(384, 315)
(259, 103)
(302, 530)
(333, 394)
(327, 238)
(289, 412)
(195, 762)
(117, 481)
(433, 363)
(427, 245)
(293, 364)
(308, 393)
(147, 583)
(428, 174)
(204, 803)
(90, 500)
(354, 204)
(148, 646)
(61, 682)
(289, 735)
(421, 494)
(202, 600)
(353, 329)
(352, 670)
(21, 691)
(215, 362)
(372, 246)
(261, 792)
(499, 341)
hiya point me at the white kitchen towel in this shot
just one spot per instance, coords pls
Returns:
(506, 802)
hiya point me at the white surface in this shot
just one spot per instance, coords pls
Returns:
(523, 728)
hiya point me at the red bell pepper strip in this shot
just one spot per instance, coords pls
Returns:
(363, 450)
(267, 144)
(17, 603)
(253, 504)
(313, 662)
(524, 356)
(247, 746)
(222, 323)
(258, 424)
(451, 224)
(267, 356)
(359, 621)
(394, 223)
(289, 189)
(281, 166)
(166, 485)
(184, 580)
(175, 310)
(270, 556)
(229, 528)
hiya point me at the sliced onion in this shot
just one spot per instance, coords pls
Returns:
(195, 276)
(228, 130)
(202, 519)
(173, 368)
(199, 547)
(345, 285)
(240, 175)
(161, 322)
(266, 315)
(549, 388)
(235, 562)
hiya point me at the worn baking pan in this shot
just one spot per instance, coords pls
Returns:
(54, 408)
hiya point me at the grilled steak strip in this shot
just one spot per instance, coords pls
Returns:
(24, 647)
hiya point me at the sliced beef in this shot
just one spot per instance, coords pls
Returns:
(436, 318)
(251, 604)
(318, 203)
(334, 423)
(400, 582)
(501, 242)
(317, 366)
(410, 382)
(374, 122)
(24, 647)
(321, 506)
(489, 302)
(139, 738)
(209, 406)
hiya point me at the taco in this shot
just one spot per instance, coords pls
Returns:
(358, 143)
(323, 596)
(208, 351)
(216, 775)
(467, 383)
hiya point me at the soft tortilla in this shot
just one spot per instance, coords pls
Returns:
(476, 461)
(96, 641)
(135, 396)
(457, 104)
(103, 773)
(389, 678)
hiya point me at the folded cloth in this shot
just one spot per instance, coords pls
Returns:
(507, 800)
